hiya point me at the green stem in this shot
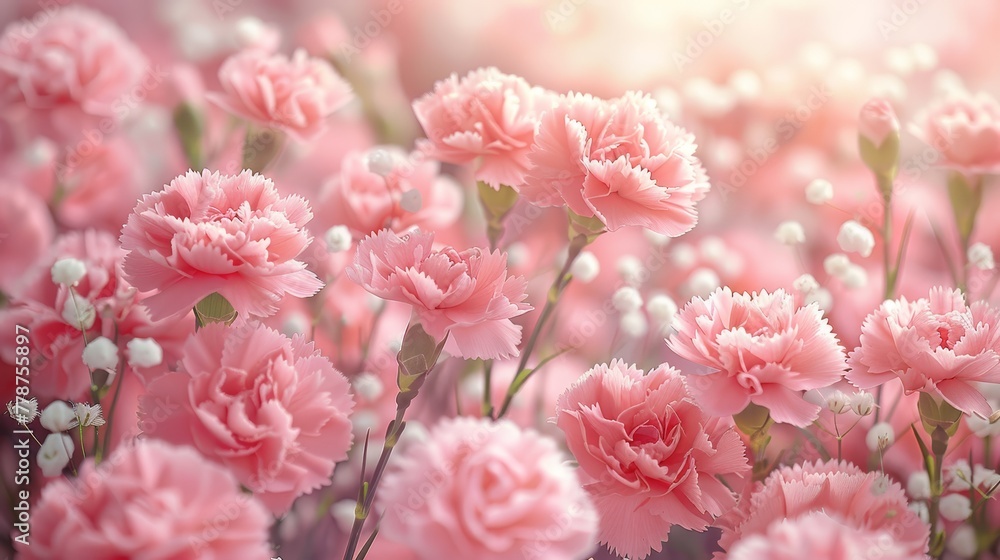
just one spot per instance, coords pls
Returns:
(885, 187)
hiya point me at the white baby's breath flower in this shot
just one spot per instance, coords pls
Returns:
(144, 352)
(585, 268)
(101, 353)
(338, 239)
(790, 233)
(856, 238)
(626, 299)
(981, 256)
(819, 191)
(68, 271)
(880, 436)
(54, 454)
(58, 417)
(88, 415)
(22, 410)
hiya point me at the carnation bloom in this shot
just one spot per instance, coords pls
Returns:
(763, 350)
(68, 65)
(648, 455)
(466, 295)
(819, 536)
(965, 130)
(877, 121)
(26, 231)
(937, 345)
(148, 500)
(619, 161)
(295, 95)
(490, 491)
(858, 500)
(207, 232)
(388, 188)
(272, 409)
(100, 301)
(487, 115)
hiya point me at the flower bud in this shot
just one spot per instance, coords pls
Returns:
(54, 454)
(58, 417)
(790, 233)
(878, 137)
(955, 507)
(101, 353)
(880, 436)
(144, 352)
(856, 238)
(819, 191)
(68, 271)
(586, 267)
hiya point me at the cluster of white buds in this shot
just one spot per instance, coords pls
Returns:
(790, 233)
(585, 268)
(819, 191)
(880, 437)
(861, 403)
(840, 266)
(856, 238)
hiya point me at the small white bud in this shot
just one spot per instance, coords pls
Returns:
(838, 402)
(920, 508)
(962, 541)
(702, 282)
(836, 264)
(855, 277)
(630, 269)
(338, 239)
(54, 454)
(22, 410)
(790, 233)
(586, 267)
(516, 253)
(144, 352)
(364, 420)
(380, 162)
(58, 417)
(805, 284)
(368, 385)
(684, 256)
(856, 238)
(634, 324)
(626, 299)
(862, 403)
(295, 324)
(713, 250)
(819, 191)
(662, 309)
(745, 83)
(919, 485)
(250, 31)
(981, 256)
(343, 514)
(79, 313)
(88, 415)
(955, 507)
(68, 271)
(101, 353)
(880, 436)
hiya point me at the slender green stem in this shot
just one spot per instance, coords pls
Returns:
(488, 388)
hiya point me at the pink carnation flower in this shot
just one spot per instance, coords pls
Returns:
(466, 295)
(619, 161)
(648, 455)
(858, 500)
(965, 130)
(207, 232)
(487, 115)
(148, 500)
(272, 409)
(819, 536)
(387, 188)
(295, 95)
(101, 302)
(26, 231)
(69, 64)
(490, 491)
(762, 349)
(937, 345)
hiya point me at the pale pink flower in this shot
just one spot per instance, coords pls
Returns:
(762, 349)
(207, 232)
(293, 94)
(388, 188)
(965, 130)
(490, 491)
(487, 115)
(109, 306)
(877, 121)
(937, 345)
(270, 408)
(67, 65)
(100, 185)
(26, 231)
(858, 500)
(619, 161)
(148, 500)
(466, 295)
(648, 455)
(818, 536)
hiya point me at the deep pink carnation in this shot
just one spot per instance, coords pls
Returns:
(763, 350)
(68, 64)
(466, 295)
(489, 491)
(270, 408)
(207, 232)
(619, 161)
(487, 115)
(818, 536)
(295, 95)
(648, 455)
(148, 500)
(937, 345)
(965, 130)
(859, 500)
